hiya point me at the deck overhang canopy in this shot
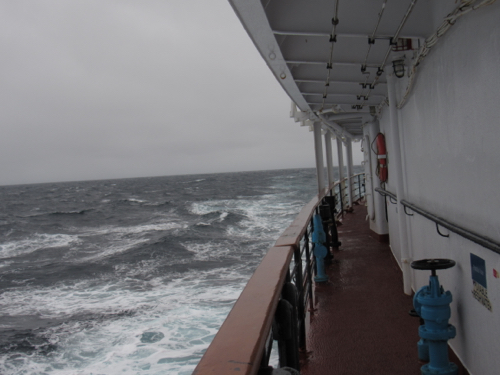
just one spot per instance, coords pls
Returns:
(332, 56)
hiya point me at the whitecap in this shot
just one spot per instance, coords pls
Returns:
(36, 242)
(208, 250)
(136, 200)
(164, 225)
(183, 315)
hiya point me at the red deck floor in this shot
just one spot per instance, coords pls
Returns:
(361, 323)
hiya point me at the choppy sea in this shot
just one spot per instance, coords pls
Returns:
(132, 276)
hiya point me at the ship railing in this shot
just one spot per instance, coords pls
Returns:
(357, 185)
(477, 238)
(276, 303)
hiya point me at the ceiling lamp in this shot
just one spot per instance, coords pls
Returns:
(399, 68)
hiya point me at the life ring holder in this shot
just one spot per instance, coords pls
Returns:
(381, 153)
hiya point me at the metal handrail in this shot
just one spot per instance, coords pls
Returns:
(470, 235)
(484, 241)
(386, 193)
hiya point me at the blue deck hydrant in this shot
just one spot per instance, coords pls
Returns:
(432, 304)
(320, 251)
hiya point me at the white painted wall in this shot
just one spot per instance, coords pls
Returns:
(451, 132)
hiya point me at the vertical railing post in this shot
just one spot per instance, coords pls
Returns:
(311, 223)
(299, 283)
(359, 185)
(341, 199)
(309, 270)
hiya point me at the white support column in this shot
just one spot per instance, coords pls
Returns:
(376, 202)
(350, 191)
(340, 156)
(318, 150)
(329, 158)
(396, 158)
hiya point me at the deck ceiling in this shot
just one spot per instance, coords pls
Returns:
(328, 69)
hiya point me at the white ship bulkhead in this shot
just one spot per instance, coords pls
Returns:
(449, 134)
(442, 135)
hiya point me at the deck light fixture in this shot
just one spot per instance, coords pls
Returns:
(399, 68)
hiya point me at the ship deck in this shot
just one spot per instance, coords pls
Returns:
(360, 324)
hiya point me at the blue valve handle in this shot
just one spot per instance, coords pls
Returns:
(432, 304)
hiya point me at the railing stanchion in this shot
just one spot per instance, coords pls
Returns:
(341, 199)
(299, 283)
(309, 268)
(359, 185)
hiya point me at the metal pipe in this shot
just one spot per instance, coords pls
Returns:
(396, 34)
(380, 14)
(371, 39)
(405, 18)
(333, 39)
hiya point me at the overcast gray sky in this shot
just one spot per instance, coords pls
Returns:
(97, 89)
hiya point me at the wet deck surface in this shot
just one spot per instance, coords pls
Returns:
(361, 323)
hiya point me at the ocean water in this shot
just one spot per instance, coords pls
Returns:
(132, 276)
